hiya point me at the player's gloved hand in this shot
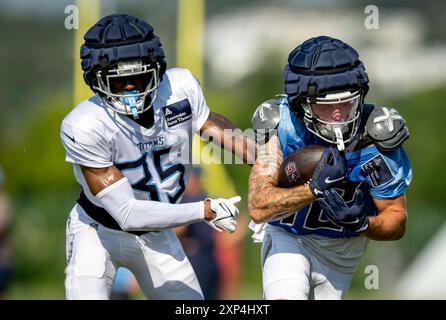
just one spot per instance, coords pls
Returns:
(351, 217)
(329, 172)
(226, 214)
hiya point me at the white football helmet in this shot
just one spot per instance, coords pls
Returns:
(130, 102)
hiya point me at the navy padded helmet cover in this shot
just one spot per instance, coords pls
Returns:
(118, 37)
(326, 63)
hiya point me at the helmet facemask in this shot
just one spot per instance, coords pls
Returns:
(334, 117)
(129, 102)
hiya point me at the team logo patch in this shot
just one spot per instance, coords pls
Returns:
(177, 113)
(291, 172)
(378, 170)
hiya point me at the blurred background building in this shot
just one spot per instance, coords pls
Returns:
(245, 48)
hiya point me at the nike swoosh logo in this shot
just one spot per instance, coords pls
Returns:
(408, 180)
(225, 207)
(69, 137)
(328, 180)
(351, 222)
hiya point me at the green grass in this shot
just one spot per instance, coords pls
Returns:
(36, 291)
(248, 291)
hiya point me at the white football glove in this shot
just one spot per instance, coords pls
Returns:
(226, 214)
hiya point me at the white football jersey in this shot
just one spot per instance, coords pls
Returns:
(156, 161)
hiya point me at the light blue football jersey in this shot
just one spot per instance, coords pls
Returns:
(379, 174)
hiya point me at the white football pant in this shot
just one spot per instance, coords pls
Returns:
(94, 253)
(292, 272)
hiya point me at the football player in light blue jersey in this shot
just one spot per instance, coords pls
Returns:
(315, 234)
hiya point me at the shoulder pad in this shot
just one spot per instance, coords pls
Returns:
(267, 115)
(266, 119)
(387, 128)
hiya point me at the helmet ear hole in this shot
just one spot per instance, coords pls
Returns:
(297, 108)
(104, 62)
(330, 159)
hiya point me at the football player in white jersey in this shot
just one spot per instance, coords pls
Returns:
(130, 146)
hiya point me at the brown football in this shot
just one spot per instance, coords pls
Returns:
(299, 166)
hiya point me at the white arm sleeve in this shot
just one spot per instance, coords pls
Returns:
(132, 214)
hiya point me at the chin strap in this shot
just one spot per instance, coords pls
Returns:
(339, 138)
(131, 101)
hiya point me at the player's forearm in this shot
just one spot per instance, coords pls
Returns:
(387, 226)
(236, 142)
(132, 214)
(242, 146)
(267, 202)
(226, 135)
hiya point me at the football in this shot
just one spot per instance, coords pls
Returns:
(299, 166)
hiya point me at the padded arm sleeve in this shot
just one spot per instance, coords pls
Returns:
(132, 214)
